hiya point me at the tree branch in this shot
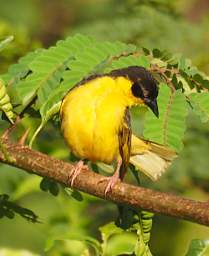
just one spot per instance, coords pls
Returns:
(94, 184)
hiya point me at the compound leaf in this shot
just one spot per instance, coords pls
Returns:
(5, 104)
(87, 62)
(169, 128)
(200, 104)
(129, 61)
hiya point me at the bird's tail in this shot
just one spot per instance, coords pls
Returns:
(149, 157)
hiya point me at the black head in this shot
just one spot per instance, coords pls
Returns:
(144, 85)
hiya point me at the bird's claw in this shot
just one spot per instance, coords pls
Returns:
(76, 170)
(111, 182)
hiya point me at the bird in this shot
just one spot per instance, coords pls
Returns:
(95, 122)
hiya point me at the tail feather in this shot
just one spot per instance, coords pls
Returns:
(151, 158)
(162, 151)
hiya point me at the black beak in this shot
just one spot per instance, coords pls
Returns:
(152, 104)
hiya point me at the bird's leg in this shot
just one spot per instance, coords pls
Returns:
(114, 178)
(76, 170)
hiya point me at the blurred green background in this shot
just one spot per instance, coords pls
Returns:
(181, 26)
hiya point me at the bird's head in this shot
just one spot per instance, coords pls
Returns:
(144, 86)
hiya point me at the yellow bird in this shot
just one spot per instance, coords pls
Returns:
(96, 123)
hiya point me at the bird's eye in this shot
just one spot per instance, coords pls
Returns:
(137, 91)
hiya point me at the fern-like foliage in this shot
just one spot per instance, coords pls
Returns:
(46, 71)
(19, 70)
(5, 104)
(41, 79)
(54, 71)
(170, 126)
(200, 104)
(9, 209)
(131, 60)
(87, 62)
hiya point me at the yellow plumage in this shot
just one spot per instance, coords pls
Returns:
(94, 125)
(92, 115)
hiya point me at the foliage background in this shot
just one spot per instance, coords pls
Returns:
(179, 26)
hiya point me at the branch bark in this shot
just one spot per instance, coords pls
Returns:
(94, 184)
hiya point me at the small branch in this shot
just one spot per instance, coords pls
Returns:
(94, 184)
(161, 72)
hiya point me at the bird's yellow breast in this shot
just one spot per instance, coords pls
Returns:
(92, 115)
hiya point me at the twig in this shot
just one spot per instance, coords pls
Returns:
(9, 130)
(162, 71)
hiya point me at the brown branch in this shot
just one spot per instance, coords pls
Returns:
(94, 184)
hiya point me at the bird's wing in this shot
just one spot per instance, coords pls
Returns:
(124, 137)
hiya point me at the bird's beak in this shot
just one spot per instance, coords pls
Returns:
(152, 104)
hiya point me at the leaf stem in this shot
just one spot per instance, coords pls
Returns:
(35, 134)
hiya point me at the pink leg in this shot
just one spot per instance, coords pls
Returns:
(114, 178)
(76, 170)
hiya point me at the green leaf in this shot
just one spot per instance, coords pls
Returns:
(205, 83)
(201, 79)
(198, 78)
(86, 63)
(200, 105)
(19, 70)
(49, 185)
(9, 209)
(55, 60)
(74, 193)
(116, 241)
(121, 244)
(86, 239)
(47, 69)
(156, 53)
(54, 188)
(188, 79)
(146, 51)
(129, 61)
(198, 247)
(182, 63)
(146, 225)
(169, 128)
(101, 52)
(108, 230)
(5, 104)
(166, 55)
(45, 184)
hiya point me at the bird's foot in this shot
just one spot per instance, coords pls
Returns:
(113, 179)
(111, 182)
(76, 170)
